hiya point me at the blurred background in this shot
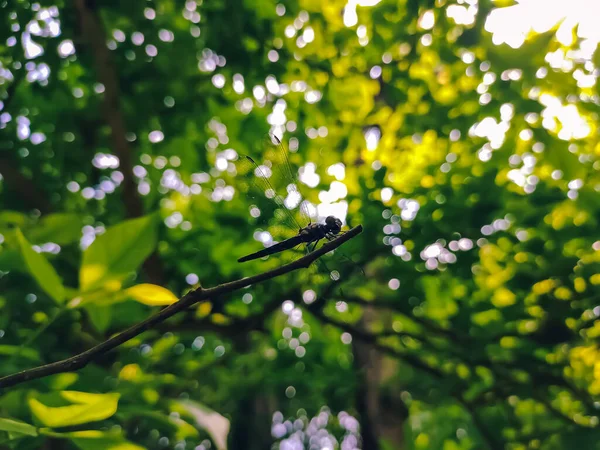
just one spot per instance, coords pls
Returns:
(461, 134)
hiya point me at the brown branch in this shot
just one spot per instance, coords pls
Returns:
(93, 32)
(372, 339)
(500, 372)
(397, 307)
(81, 360)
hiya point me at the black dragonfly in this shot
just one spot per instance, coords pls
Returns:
(262, 180)
(310, 234)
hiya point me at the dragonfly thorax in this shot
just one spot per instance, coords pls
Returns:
(317, 231)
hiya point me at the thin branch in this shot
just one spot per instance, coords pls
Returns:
(499, 372)
(413, 361)
(372, 339)
(541, 375)
(36, 334)
(486, 435)
(397, 308)
(81, 360)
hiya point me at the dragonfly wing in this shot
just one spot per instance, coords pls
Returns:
(284, 174)
(255, 182)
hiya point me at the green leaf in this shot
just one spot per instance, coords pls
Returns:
(100, 316)
(100, 297)
(10, 259)
(60, 228)
(62, 380)
(25, 352)
(86, 408)
(98, 440)
(151, 294)
(214, 423)
(14, 426)
(10, 219)
(95, 440)
(440, 305)
(119, 251)
(41, 270)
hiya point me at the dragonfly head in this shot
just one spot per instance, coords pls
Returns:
(333, 224)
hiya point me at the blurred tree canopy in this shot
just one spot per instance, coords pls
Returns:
(462, 135)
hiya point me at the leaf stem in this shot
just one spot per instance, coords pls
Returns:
(37, 333)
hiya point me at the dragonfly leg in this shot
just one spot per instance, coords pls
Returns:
(314, 245)
(330, 237)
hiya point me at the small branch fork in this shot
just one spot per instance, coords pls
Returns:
(199, 295)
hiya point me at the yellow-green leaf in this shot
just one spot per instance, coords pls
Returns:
(118, 252)
(98, 440)
(41, 270)
(105, 443)
(86, 408)
(62, 380)
(10, 219)
(16, 426)
(184, 429)
(102, 297)
(151, 294)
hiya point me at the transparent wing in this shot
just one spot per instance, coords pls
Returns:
(283, 174)
(267, 206)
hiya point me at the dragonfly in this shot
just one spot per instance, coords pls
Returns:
(263, 180)
(313, 233)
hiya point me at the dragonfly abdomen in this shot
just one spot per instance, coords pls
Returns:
(275, 248)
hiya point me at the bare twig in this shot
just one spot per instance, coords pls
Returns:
(81, 360)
